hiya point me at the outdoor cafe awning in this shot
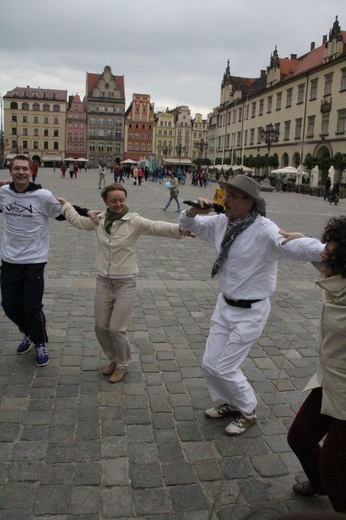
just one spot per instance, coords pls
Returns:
(51, 158)
(176, 162)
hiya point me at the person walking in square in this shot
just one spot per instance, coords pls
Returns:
(102, 175)
(173, 192)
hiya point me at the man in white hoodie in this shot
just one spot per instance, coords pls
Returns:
(24, 252)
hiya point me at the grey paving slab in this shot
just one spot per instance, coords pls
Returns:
(73, 446)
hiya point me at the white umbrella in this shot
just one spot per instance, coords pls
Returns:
(245, 169)
(287, 169)
(128, 161)
(331, 174)
(315, 175)
(300, 174)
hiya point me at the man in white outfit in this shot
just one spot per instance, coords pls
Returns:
(248, 246)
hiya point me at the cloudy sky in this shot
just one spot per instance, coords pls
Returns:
(175, 50)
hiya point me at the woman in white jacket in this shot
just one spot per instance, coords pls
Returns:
(117, 231)
(323, 414)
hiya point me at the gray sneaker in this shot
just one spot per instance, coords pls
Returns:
(240, 423)
(221, 410)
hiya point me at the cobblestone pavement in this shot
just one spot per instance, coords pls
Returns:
(75, 447)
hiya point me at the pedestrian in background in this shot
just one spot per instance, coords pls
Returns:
(327, 187)
(173, 191)
(34, 170)
(102, 175)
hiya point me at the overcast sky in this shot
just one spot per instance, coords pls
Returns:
(174, 50)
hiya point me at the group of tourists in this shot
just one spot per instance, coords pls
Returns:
(248, 247)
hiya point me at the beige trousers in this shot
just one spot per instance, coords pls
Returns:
(114, 300)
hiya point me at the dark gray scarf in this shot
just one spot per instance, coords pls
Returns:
(233, 229)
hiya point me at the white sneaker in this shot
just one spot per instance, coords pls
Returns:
(221, 410)
(240, 424)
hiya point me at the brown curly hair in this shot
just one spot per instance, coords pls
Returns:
(335, 230)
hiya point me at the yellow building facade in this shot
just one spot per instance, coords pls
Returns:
(34, 124)
(304, 98)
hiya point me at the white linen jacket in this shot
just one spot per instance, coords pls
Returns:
(250, 270)
(331, 369)
(117, 255)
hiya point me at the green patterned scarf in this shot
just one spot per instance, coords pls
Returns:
(112, 217)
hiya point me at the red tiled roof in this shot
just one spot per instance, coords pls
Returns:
(309, 61)
(92, 79)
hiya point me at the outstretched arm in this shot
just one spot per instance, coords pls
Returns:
(290, 235)
(84, 212)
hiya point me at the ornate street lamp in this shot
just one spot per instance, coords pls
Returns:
(166, 151)
(269, 135)
(179, 149)
(201, 146)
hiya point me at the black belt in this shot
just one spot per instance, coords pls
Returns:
(244, 304)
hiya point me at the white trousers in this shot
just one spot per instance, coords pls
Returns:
(232, 333)
(114, 300)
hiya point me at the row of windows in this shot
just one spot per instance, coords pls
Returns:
(137, 147)
(75, 147)
(104, 147)
(35, 94)
(235, 139)
(143, 137)
(107, 133)
(36, 119)
(75, 136)
(136, 126)
(36, 145)
(103, 122)
(75, 125)
(46, 107)
(35, 132)
(102, 108)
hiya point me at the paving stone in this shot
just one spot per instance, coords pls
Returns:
(152, 501)
(179, 473)
(188, 497)
(24, 471)
(146, 475)
(117, 502)
(73, 446)
(85, 500)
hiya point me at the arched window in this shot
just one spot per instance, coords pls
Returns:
(46, 107)
(56, 108)
(14, 105)
(36, 106)
(25, 106)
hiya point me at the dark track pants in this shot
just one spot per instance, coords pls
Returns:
(325, 466)
(22, 287)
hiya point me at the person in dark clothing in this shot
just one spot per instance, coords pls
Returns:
(327, 187)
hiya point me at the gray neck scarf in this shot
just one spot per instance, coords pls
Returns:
(233, 229)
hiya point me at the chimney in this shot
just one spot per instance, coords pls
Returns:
(312, 46)
(293, 56)
(324, 39)
(263, 73)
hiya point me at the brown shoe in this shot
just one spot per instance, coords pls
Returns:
(117, 375)
(306, 489)
(107, 371)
